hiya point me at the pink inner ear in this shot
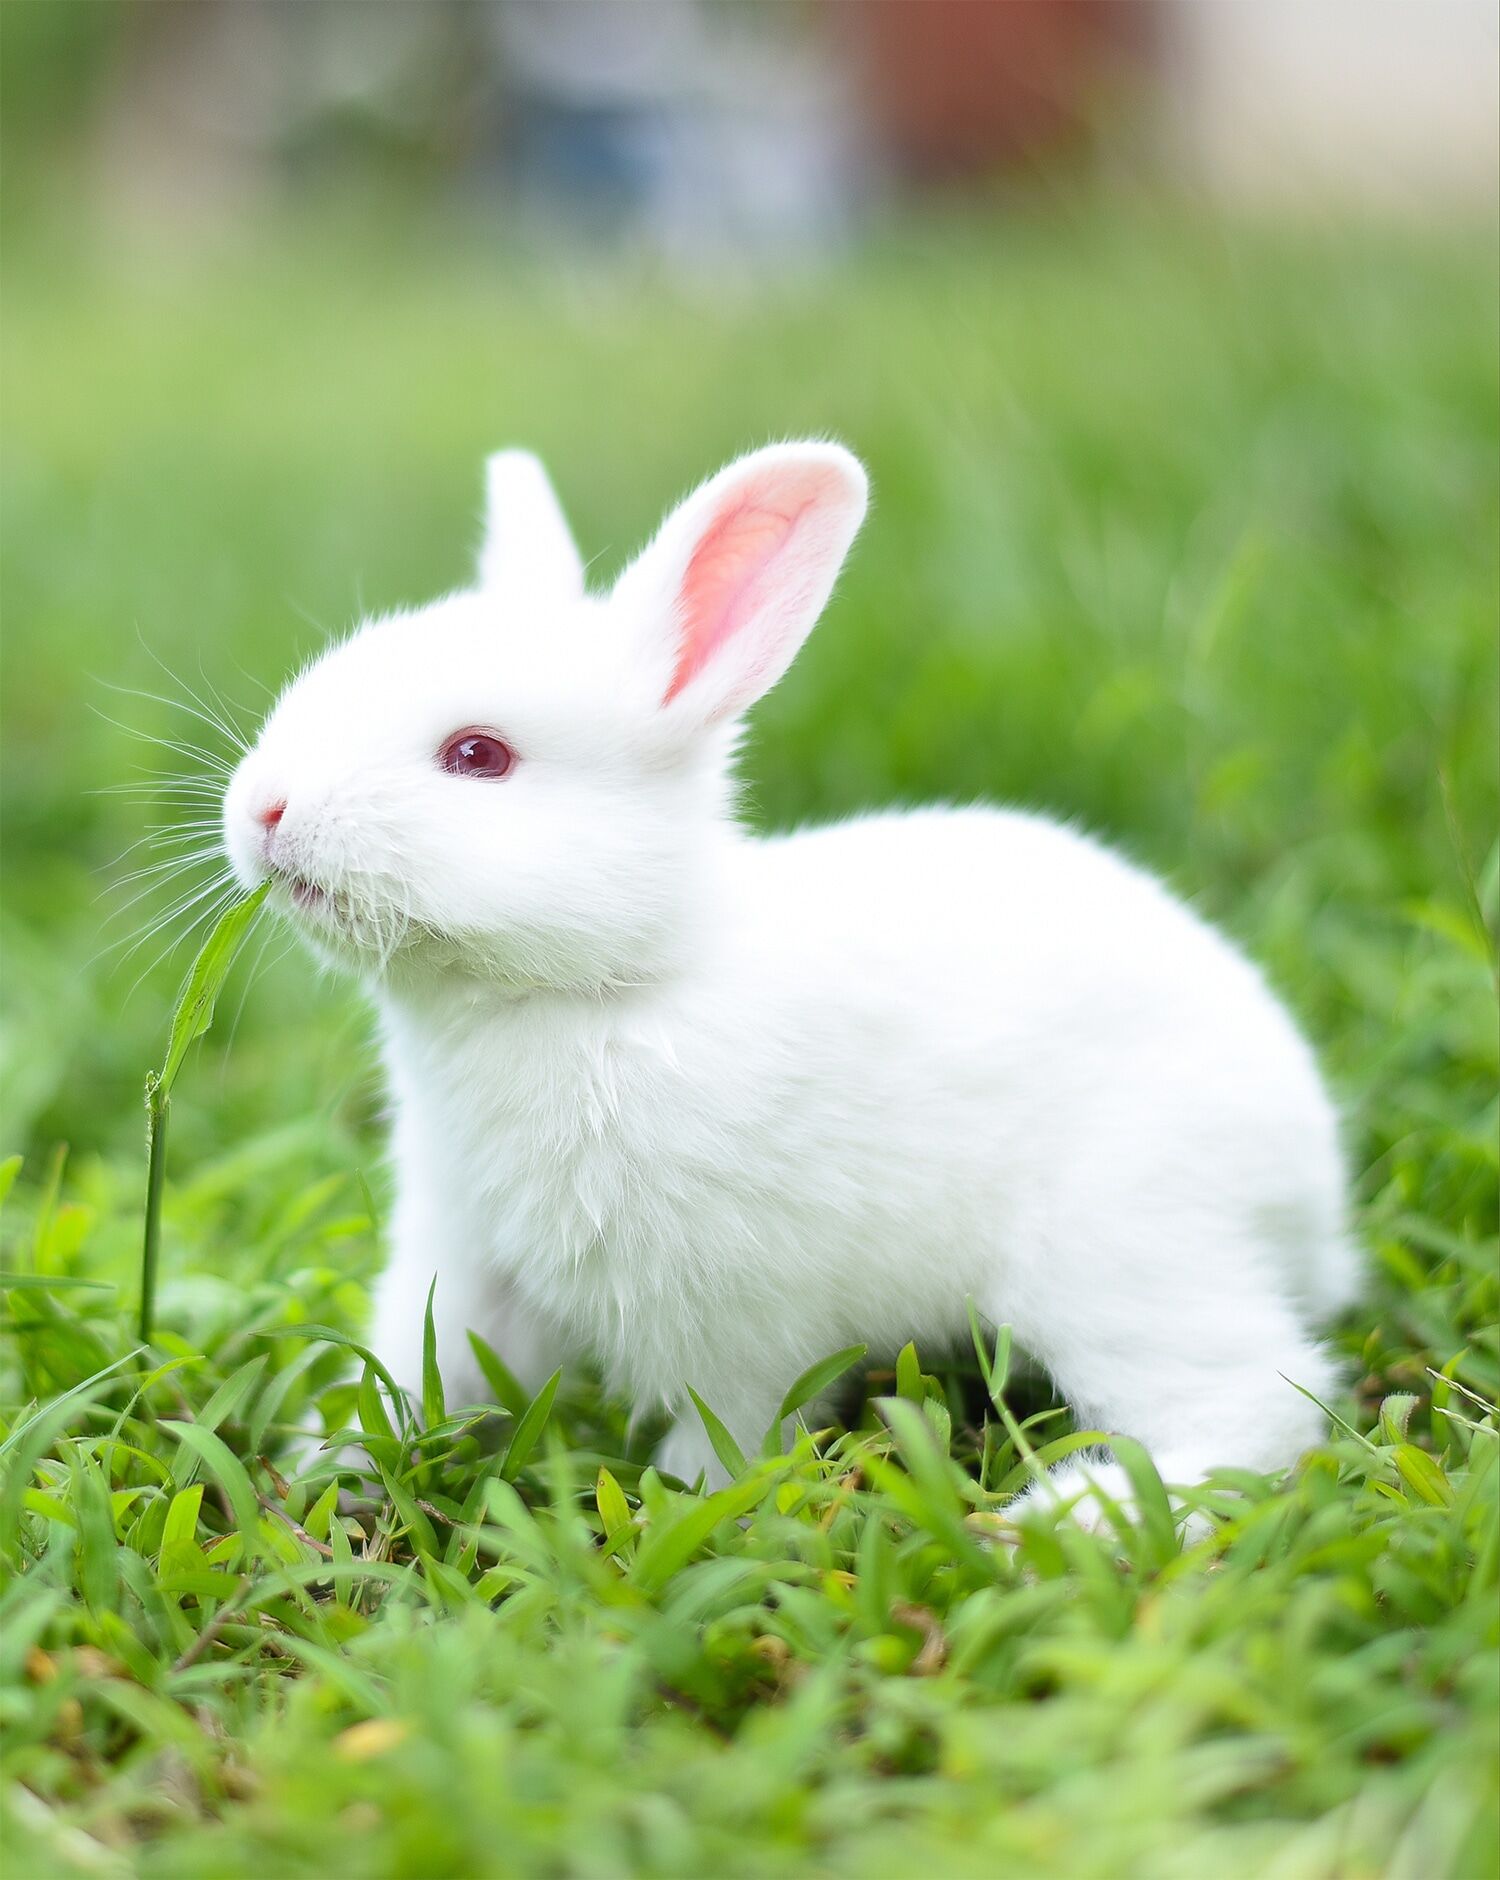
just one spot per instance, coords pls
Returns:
(738, 565)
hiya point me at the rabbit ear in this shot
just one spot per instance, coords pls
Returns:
(738, 574)
(528, 548)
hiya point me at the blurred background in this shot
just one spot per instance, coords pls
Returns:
(1167, 327)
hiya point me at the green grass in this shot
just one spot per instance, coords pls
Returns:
(1188, 533)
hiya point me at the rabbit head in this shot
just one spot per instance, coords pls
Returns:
(526, 781)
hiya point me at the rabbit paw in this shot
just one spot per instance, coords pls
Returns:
(1098, 1497)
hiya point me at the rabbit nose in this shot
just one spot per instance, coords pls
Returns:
(271, 814)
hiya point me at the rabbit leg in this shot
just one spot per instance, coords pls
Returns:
(469, 1297)
(1211, 1383)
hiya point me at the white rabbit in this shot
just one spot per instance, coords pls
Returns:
(706, 1105)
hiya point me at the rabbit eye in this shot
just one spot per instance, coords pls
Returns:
(475, 753)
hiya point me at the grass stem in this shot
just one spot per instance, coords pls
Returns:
(157, 1105)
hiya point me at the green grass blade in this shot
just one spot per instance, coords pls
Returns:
(51, 1282)
(609, 1499)
(817, 1378)
(505, 1387)
(723, 1444)
(909, 1374)
(433, 1408)
(195, 1007)
(331, 1335)
(192, 1017)
(54, 1414)
(529, 1428)
(215, 1455)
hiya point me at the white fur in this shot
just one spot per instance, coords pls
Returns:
(707, 1106)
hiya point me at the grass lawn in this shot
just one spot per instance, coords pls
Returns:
(1186, 533)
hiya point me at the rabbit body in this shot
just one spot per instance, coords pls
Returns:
(704, 1106)
(927, 1058)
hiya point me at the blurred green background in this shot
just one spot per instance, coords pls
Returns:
(1184, 522)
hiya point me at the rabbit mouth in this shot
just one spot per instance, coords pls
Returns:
(321, 912)
(332, 917)
(306, 895)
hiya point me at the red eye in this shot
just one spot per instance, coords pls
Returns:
(475, 753)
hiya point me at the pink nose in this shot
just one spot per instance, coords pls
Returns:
(272, 814)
